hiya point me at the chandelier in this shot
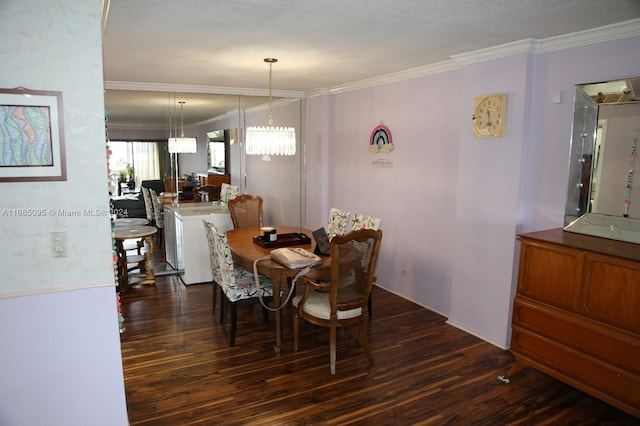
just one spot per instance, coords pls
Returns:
(270, 140)
(182, 144)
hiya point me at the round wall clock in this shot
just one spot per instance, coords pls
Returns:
(490, 115)
(380, 140)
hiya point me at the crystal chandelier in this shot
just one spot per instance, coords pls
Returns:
(270, 140)
(182, 144)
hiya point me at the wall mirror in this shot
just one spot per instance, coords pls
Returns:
(603, 196)
(218, 146)
(152, 115)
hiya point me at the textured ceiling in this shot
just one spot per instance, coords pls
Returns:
(320, 44)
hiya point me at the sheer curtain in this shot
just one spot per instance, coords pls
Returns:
(142, 155)
(145, 161)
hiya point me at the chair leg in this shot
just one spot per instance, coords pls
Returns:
(370, 305)
(332, 347)
(214, 298)
(223, 308)
(364, 340)
(234, 323)
(296, 328)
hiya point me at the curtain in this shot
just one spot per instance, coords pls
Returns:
(143, 156)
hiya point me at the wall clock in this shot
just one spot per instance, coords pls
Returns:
(490, 115)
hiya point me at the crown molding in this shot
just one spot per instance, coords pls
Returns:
(496, 52)
(616, 31)
(394, 77)
(186, 88)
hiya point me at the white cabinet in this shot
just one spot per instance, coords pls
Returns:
(186, 243)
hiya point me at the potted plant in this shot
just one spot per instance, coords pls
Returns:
(132, 178)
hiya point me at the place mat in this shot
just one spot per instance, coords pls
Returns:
(284, 240)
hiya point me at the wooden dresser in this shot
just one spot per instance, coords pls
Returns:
(576, 315)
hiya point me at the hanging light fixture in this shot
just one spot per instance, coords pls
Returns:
(182, 144)
(271, 140)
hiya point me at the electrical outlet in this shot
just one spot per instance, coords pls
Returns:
(404, 272)
(58, 244)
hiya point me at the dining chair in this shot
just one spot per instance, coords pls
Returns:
(342, 301)
(246, 211)
(338, 221)
(237, 285)
(228, 192)
(148, 204)
(208, 192)
(158, 215)
(361, 221)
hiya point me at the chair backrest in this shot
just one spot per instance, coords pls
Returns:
(228, 192)
(222, 266)
(158, 216)
(361, 221)
(148, 204)
(338, 221)
(212, 191)
(246, 210)
(353, 261)
(210, 231)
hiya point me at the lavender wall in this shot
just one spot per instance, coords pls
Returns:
(451, 204)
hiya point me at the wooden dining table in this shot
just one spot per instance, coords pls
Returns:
(245, 251)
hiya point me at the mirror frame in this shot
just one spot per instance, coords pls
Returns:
(578, 215)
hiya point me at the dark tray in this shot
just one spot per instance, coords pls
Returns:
(284, 240)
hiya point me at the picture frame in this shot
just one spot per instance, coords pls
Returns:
(31, 136)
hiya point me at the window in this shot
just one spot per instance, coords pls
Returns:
(142, 156)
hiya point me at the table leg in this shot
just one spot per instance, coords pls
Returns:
(276, 286)
(149, 275)
(123, 273)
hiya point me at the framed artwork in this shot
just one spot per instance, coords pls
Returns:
(31, 136)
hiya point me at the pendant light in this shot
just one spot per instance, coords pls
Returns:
(182, 145)
(270, 140)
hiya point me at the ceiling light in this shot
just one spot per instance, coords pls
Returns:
(182, 144)
(271, 140)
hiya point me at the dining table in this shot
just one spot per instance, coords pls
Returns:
(134, 232)
(245, 251)
(130, 221)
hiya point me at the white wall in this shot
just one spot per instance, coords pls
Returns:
(60, 361)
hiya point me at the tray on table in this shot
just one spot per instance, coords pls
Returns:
(283, 240)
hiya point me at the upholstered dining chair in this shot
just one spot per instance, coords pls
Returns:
(361, 221)
(246, 210)
(237, 284)
(342, 301)
(158, 215)
(148, 204)
(338, 221)
(228, 192)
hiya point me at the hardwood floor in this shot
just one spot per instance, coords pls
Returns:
(179, 370)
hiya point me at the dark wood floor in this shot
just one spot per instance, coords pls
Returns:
(179, 370)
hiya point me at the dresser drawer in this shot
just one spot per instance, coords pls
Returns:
(590, 337)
